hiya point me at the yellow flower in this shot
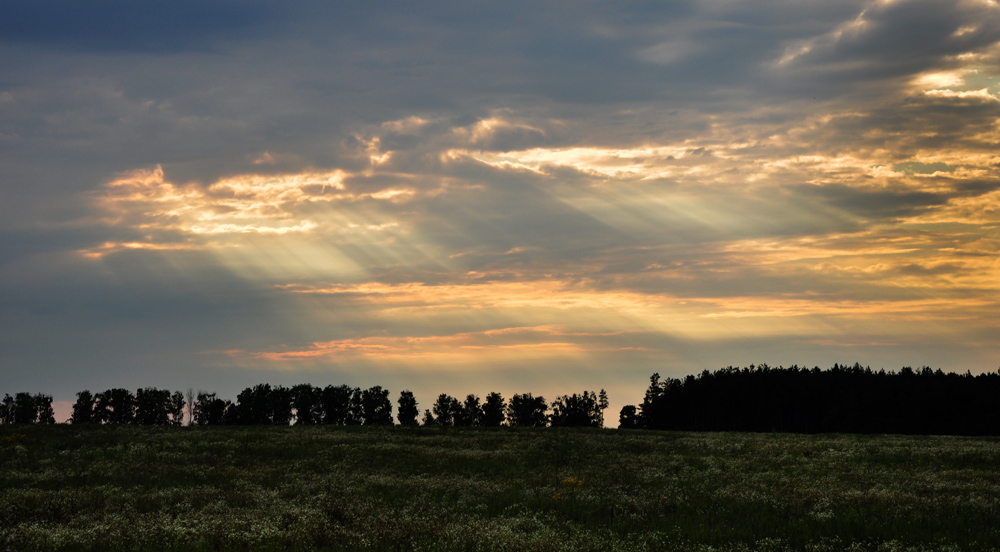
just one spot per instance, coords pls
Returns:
(569, 486)
(571, 482)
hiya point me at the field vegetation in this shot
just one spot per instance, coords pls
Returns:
(129, 487)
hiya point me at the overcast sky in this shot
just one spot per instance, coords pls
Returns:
(468, 197)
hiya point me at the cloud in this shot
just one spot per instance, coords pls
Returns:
(409, 125)
(504, 189)
(462, 348)
(144, 201)
(879, 203)
(498, 133)
(127, 26)
(886, 44)
(642, 162)
(981, 94)
(666, 53)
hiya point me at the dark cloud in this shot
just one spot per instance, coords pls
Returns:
(120, 25)
(886, 41)
(936, 270)
(874, 204)
(975, 187)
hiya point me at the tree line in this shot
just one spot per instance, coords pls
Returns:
(843, 399)
(305, 404)
(25, 408)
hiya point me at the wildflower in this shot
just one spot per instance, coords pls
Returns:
(571, 482)
(15, 438)
(569, 486)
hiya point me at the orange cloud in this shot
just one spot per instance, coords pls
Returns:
(113, 247)
(922, 309)
(546, 294)
(535, 342)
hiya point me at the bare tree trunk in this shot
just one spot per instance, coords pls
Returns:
(190, 405)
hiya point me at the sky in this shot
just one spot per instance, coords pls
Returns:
(466, 197)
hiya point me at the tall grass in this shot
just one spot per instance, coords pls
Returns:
(361, 488)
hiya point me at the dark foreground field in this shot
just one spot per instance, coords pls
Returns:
(320, 488)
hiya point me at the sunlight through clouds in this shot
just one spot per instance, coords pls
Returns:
(595, 193)
(246, 204)
(310, 226)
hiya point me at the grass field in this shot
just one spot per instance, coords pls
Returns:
(359, 488)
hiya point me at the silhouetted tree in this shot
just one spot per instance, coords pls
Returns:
(428, 419)
(602, 405)
(336, 404)
(308, 404)
(586, 410)
(279, 404)
(376, 406)
(158, 407)
(470, 412)
(115, 406)
(408, 412)
(445, 408)
(526, 411)
(492, 414)
(356, 408)
(653, 403)
(43, 404)
(102, 410)
(7, 409)
(253, 406)
(457, 411)
(175, 408)
(231, 414)
(83, 408)
(628, 418)
(210, 410)
(25, 410)
(152, 406)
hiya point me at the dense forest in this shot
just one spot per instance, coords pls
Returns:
(843, 399)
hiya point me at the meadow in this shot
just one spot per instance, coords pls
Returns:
(96, 487)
